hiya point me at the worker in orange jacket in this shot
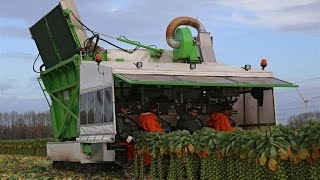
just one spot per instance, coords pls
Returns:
(149, 122)
(220, 120)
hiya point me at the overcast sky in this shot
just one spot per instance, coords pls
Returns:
(285, 32)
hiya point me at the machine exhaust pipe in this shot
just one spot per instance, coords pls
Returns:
(184, 20)
(205, 41)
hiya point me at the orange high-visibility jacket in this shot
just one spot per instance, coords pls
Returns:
(149, 122)
(220, 122)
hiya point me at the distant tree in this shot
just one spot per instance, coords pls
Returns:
(27, 125)
(299, 120)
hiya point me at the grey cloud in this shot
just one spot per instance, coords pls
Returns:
(14, 31)
(310, 7)
(145, 20)
(19, 55)
(141, 17)
(312, 26)
(298, 16)
(32, 10)
(26, 10)
(6, 85)
(32, 83)
(137, 20)
(307, 27)
(18, 89)
(8, 104)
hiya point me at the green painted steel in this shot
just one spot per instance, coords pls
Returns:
(86, 148)
(55, 37)
(120, 60)
(187, 83)
(62, 83)
(187, 51)
(154, 52)
(58, 45)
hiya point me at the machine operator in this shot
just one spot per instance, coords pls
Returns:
(190, 121)
(125, 129)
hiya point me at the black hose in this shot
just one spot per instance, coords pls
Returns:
(41, 67)
(95, 34)
(35, 63)
(82, 23)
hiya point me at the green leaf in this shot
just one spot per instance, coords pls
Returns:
(267, 151)
(261, 145)
(227, 149)
(182, 139)
(211, 145)
(293, 143)
(243, 154)
(178, 148)
(172, 148)
(273, 152)
(204, 138)
(250, 143)
(252, 153)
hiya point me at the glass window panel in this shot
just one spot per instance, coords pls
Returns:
(205, 79)
(150, 78)
(108, 109)
(83, 109)
(90, 107)
(258, 80)
(98, 106)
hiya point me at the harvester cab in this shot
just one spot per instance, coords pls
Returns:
(86, 84)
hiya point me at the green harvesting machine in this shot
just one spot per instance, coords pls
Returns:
(86, 84)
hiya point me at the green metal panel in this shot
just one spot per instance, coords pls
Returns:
(188, 50)
(62, 83)
(55, 37)
(43, 40)
(61, 31)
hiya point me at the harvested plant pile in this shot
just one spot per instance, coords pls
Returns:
(276, 153)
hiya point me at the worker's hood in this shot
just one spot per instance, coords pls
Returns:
(216, 116)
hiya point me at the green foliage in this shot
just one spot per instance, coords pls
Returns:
(275, 153)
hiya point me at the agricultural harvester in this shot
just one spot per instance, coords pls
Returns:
(85, 84)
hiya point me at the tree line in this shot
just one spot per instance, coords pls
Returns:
(15, 125)
(296, 121)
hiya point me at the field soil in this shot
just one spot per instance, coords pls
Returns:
(33, 167)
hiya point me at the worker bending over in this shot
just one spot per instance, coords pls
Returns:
(220, 120)
(148, 120)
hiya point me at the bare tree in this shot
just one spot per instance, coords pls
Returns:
(297, 121)
(27, 125)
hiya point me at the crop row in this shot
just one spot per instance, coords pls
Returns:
(276, 153)
(25, 147)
